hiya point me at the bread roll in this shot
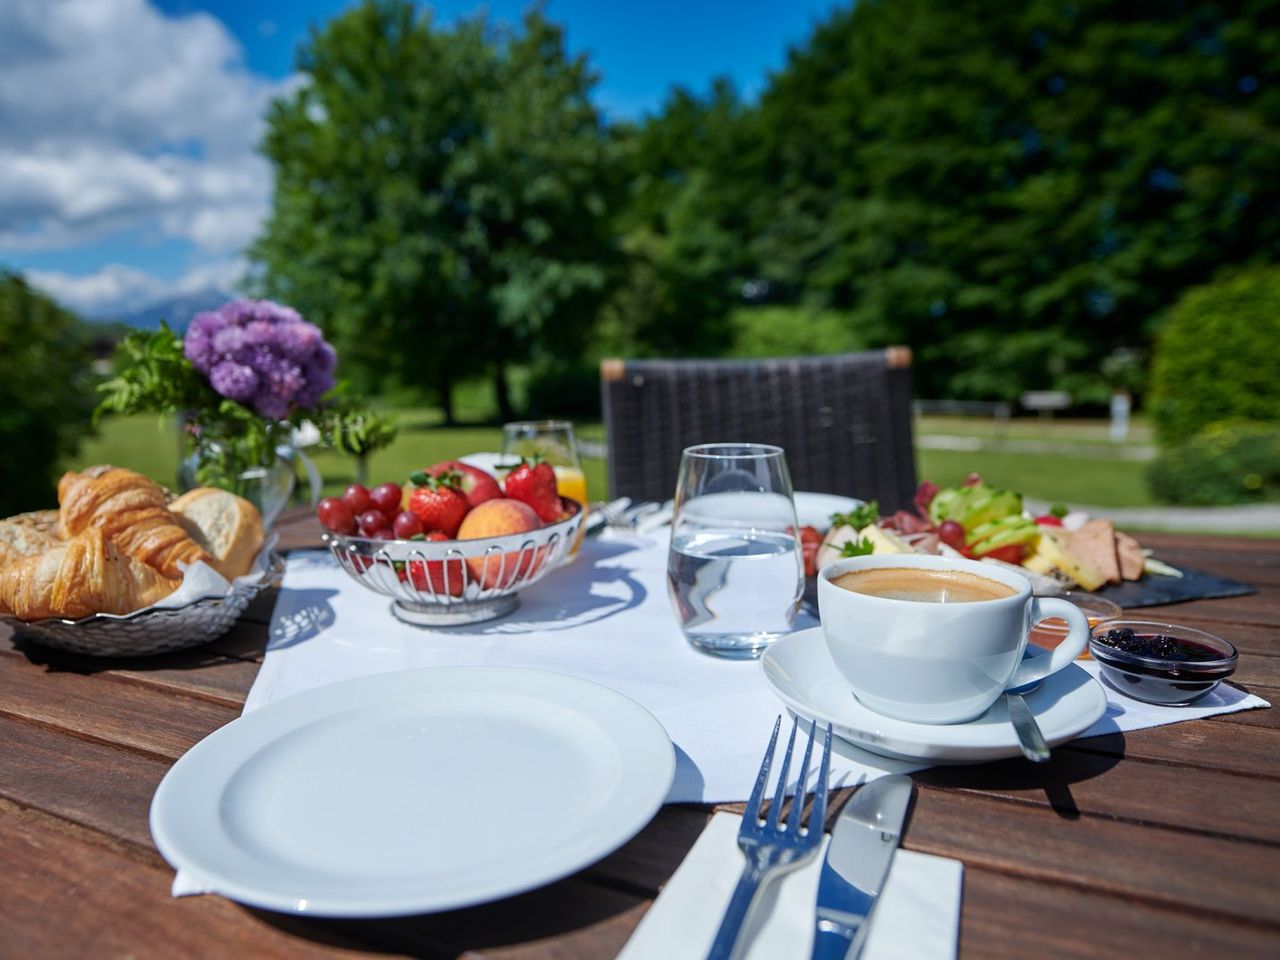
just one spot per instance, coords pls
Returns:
(229, 528)
(130, 509)
(80, 577)
(18, 540)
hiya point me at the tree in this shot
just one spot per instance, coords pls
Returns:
(684, 225)
(1018, 190)
(442, 197)
(46, 399)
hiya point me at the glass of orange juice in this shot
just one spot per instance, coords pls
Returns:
(555, 443)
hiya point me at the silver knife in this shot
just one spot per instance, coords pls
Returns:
(856, 866)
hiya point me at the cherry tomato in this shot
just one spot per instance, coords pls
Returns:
(952, 534)
(1013, 553)
(407, 525)
(386, 497)
(371, 521)
(356, 497)
(1048, 520)
(336, 516)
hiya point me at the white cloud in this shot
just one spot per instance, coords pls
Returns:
(117, 289)
(115, 117)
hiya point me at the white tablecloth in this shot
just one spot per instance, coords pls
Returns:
(606, 617)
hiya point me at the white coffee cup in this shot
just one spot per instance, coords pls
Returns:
(933, 662)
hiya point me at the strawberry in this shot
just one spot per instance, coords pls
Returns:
(439, 576)
(534, 483)
(438, 502)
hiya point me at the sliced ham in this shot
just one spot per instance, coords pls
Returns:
(1095, 544)
(1130, 556)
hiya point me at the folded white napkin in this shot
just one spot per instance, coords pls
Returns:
(917, 917)
(199, 580)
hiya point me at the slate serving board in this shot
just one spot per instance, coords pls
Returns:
(1154, 591)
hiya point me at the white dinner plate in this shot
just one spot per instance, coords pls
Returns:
(800, 671)
(413, 792)
(815, 509)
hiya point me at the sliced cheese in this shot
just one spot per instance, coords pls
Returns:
(884, 541)
(1066, 561)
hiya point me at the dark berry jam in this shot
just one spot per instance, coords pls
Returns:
(1157, 665)
(1157, 646)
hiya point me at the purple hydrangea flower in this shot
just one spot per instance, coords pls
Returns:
(263, 355)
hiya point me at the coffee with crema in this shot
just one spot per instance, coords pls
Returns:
(922, 585)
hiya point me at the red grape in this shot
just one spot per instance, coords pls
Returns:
(407, 526)
(383, 534)
(336, 516)
(357, 498)
(386, 497)
(952, 534)
(371, 521)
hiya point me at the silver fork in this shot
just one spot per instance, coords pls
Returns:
(770, 846)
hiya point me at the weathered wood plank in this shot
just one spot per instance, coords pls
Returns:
(198, 672)
(1254, 751)
(95, 785)
(107, 709)
(62, 896)
(1098, 855)
(1007, 917)
(1079, 784)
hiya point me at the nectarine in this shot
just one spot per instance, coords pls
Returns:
(498, 518)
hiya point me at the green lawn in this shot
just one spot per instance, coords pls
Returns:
(1071, 479)
(144, 444)
(1032, 428)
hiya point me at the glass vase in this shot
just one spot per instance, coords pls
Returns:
(269, 488)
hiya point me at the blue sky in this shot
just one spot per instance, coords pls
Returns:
(128, 172)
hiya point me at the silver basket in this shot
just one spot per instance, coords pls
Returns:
(152, 630)
(452, 582)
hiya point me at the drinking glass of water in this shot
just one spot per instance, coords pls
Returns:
(735, 572)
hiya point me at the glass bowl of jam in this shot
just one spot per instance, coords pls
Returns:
(1161, 662)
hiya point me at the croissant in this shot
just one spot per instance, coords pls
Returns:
(130, 509)
(80, 577)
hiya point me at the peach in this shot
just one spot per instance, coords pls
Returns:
(498, 518)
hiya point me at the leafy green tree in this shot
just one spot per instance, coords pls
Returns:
(1019, 190)
(443, 196)
(683, 228)
(46, 398)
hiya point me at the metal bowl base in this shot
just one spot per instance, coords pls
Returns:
(453, 614)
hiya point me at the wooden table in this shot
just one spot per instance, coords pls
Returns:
(1163, 842)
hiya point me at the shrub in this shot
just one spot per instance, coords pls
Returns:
(1218, 357)
(45, 394)
(1225, 463)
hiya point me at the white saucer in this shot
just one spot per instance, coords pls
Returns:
(815, 509)
(799, 670)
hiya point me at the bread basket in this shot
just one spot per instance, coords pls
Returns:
(154, 629)
(453, 582)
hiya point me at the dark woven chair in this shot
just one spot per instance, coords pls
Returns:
(844, 421)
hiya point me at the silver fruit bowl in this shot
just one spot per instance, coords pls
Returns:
(452, 582)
